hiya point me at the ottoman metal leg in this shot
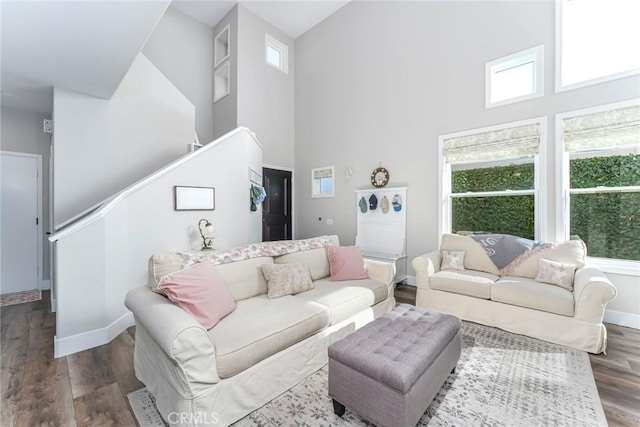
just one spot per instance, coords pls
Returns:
(338, 408)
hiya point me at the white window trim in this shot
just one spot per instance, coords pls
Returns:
(558, 72)
(315, 192)
(538, 53)
(540, 178)
(563, 214)
(282, 48)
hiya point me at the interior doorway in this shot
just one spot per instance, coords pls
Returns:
(21, 221)
(277, 218)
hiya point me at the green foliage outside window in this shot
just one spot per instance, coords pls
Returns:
(609, 223)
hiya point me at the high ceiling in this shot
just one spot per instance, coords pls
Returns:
(88, 46)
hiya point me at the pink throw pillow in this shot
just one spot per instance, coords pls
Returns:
(346, 263)
(201, 292)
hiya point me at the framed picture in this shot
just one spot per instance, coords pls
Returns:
(194, 198)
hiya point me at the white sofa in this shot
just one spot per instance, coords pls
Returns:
(517, 302)
(264, 347)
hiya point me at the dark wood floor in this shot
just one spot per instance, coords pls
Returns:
(90, 388)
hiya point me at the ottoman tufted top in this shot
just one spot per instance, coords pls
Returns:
(398, 347)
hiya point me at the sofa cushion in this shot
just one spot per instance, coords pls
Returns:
(343, 299)
(556, 273)
(160, 265)
(315, 259)
(286, 279)
(569, 252)
(261, 327)
(244, 278)
(346, 263)
(201, 292)
(473, 283)
(527, 293)
(452, 260)
(475, 256)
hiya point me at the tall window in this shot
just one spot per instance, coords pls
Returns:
(601, 179)
(490, 180)
(596, 40)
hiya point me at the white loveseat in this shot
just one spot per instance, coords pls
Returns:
(517, 302)
(264, 347)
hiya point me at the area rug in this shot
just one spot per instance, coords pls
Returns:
(502, 379)
(20, 297)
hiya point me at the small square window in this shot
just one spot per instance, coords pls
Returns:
(322, 182)
(515, 78)
(276, 54)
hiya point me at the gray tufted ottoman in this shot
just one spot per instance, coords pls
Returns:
(390, 370)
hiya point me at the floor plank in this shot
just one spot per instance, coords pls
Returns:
(103, 407)
(120, 356)
(10, 385)
(89, 370)
(14, 328)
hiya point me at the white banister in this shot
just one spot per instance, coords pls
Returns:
(99, 210)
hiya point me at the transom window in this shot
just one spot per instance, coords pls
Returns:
(596, 41)
(515, 78)
(276, 54)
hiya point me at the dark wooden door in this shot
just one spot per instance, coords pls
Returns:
(276, 209)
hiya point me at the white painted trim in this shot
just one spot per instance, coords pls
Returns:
(537, 53)
(97, 337)
(39, 212)
(293, 194)
(54, 305)
(218, 61)
(110, 203)
(44, 285)
(317, 194)
(616, 266)
(270, 41)
(629, 320)
(558, 69)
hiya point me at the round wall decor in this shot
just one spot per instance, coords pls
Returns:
(379, 177)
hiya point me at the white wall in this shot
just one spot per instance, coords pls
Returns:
(22, 131)
(100, 262)
(102, 146)
(182, 49)
(266, 95)
(380, 81)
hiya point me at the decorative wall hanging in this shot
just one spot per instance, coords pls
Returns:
(379, 177)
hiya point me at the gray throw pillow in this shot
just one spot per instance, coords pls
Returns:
(286, 279)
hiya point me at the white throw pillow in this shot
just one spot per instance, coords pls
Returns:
(452, 260)
(556, 273)
(286, 279)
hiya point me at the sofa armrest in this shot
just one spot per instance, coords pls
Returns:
(183, 340)
(383, 272)
(592, 291)
(426, 266)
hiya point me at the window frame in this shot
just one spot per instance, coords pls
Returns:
(559, 87)
(445, 220)
(563, 189)
(272, 42)
(535, 54)
(316, 183)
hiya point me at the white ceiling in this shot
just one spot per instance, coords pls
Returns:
(85, 46)
(88, 46)
(293, 17)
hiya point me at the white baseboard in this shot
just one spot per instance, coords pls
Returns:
(44, 285)
(97, 337)
(620, 318)
(54, 305)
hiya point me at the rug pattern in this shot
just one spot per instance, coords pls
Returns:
(20, 297)
(502, 379)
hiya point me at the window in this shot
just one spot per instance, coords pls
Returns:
(322, 182)
(490, 180)
(596, 41)
(515, 78)
(276, 54)
(601, 179)
(222, 45)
